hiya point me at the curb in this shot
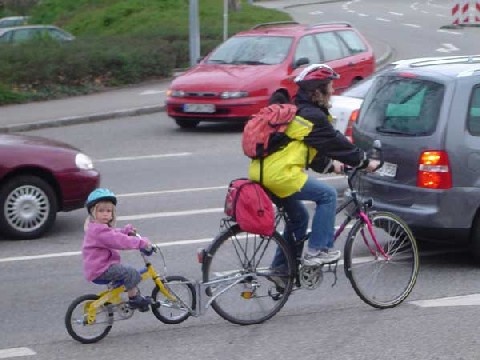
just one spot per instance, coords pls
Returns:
(81, 119)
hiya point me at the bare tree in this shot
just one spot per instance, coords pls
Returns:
(234, 5)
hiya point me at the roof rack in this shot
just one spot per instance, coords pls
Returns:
(275, 23)
(343, 23)
(463, 59)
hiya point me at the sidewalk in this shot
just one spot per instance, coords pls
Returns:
(142, 99)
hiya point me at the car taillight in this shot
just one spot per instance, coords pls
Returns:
(434, 170)
(353, 118)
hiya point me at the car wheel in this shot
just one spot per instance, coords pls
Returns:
(187, 124)
(28, 207)
(279, 98)
(475, 239)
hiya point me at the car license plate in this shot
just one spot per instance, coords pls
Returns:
(199, 108)
(388, 169)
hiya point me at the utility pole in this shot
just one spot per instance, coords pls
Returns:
(194, 32)
(225, 20)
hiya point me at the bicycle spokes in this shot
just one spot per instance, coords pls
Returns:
(382, 263)
(239, 277)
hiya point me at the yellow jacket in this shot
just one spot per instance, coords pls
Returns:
(313, 143)
(284, 170)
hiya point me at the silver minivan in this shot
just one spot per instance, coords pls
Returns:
(427, 117)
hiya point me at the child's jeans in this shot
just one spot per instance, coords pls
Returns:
(116, 272)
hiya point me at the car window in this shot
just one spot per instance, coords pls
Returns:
(9, 23)
(307, 48)
(253, 50)
(5, 37)
(331, 46)
(405, 106)
(21, 35)
(58, 35)
(354, 44)
(473, 121)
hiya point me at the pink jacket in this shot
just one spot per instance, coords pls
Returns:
(100, 246)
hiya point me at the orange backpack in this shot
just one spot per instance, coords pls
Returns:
(263, 133)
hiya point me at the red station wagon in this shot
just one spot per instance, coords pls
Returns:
(257, 67)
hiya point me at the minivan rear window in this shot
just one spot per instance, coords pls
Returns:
(403, 106)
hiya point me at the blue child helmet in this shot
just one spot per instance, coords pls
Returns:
(100, 194)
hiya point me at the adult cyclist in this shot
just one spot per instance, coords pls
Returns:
(311, 142)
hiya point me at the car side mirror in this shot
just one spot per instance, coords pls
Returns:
(300, 62)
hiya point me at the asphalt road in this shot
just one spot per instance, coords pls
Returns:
(171, 185)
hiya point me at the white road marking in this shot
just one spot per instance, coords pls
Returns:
(441, 15)
(447, 48)
(152, 92)
(316, 13)
(465, 300)
(143, 157)
(429, 3)
(149, 193)
(412, 25)
(170, 214)
(77, 253)
(395, 13)
(363, 15)
(382, 19)
(16, 352)
(449, 32)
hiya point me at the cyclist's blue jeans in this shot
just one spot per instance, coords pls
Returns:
(323, 223)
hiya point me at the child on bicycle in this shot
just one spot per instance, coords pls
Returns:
(101, 260)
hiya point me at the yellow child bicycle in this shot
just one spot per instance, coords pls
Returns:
(90, 317)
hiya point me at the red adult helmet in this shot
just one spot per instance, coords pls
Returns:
(315, 75)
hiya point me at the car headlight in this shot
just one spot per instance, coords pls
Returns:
(83, 161)
(175, 93)
(233, 94)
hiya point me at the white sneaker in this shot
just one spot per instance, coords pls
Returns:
(321, 257)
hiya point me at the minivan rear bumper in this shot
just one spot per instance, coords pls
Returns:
(444, 215)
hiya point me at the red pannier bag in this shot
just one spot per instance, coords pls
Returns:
(248, 204)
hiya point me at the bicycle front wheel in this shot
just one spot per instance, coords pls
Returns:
(174, 312)
(238, 275)
(78, 326)
(382, 281)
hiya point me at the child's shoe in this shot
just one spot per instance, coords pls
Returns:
(139, 302)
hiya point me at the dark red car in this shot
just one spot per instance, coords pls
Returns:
(257, 67)
(38, 178)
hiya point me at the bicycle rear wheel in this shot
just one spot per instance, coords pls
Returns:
(237, 269)
(76, 320)
(379, 281)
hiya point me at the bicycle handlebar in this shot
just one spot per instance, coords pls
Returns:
(376, 151)
(147, 251)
